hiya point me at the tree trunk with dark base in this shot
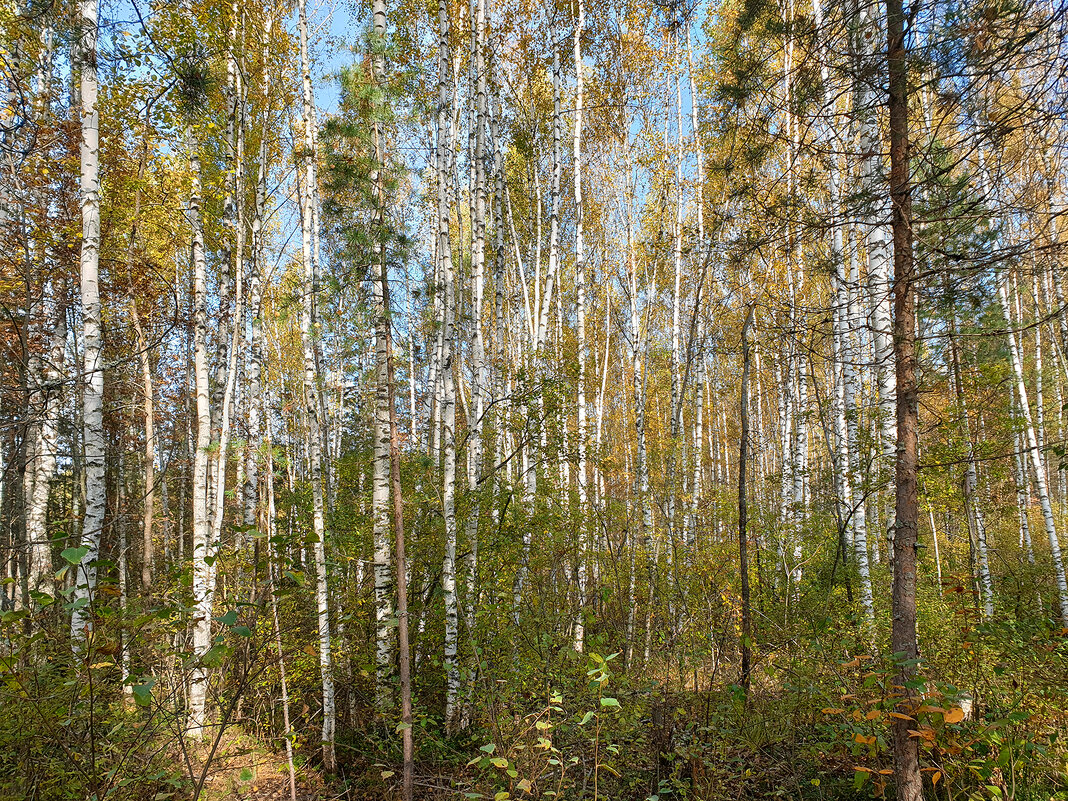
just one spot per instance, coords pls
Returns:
(743, 512)
(906, 524)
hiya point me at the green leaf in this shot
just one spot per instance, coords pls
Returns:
(75, 555)
(241, 631)
(499, 762)
(859, 778)
(610, 702)
(229, 618)
(142, 693)
(246, 775)
(215, 655)
(586, 718)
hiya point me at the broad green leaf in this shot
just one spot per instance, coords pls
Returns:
(142, 693)
(229, 618)
(215, 655)
(75, 555)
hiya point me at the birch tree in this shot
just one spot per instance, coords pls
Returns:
(1034, 452)
(309, 332)
(580, 329)
(92, 336)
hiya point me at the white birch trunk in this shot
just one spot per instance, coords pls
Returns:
(554, 212)
(254, 367)
(845, 411)
(41, 572)
(203, 546)
(92, 336)
(1036, 456)
(676, 297)
(698, 429)
(448, 414)
(934, 540)
(313, 401)
(638, 348)
(580, 314)
(1023, 503)
(480, 379)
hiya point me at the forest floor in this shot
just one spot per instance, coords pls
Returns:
(244, 768)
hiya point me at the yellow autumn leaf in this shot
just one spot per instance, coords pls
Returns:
(955, 715)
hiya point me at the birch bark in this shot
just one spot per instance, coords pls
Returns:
(698, 425)
(254, 368)
(580, 315)
(41, 574)
(1035, 454)
(312, 389)
(479, 375)
(845, 422)
(876, 235)
(92, 335)
(448, 403)
(204, 547)
(638, 333)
